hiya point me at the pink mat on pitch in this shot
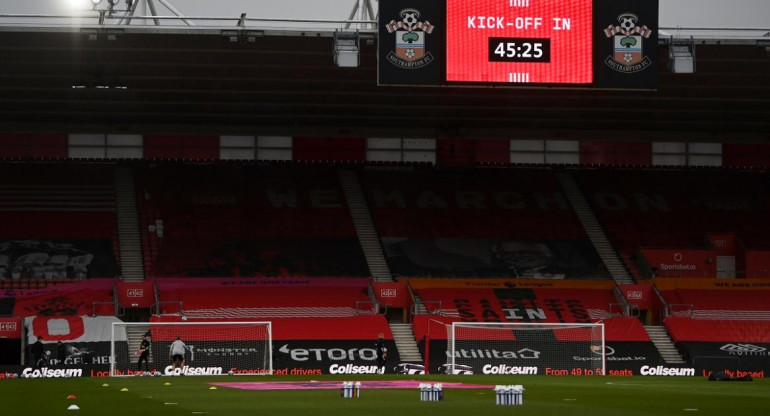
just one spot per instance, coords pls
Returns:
(329, 385)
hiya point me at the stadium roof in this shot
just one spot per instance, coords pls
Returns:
(278, 77)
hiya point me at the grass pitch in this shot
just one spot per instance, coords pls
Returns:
(544, 395)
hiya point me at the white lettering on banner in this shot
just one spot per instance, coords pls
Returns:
(333, 354)
(388, 293)
(193, 371)
(646, 370)
(353, 369)
(635, 294)
(135, 293)
(664, 266)
(609, 358)
(7, 326)
(508, 369)
(744, 350)
(46, 372)
(525, 353)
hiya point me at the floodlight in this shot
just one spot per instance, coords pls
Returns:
(346, 49)
(681, 56)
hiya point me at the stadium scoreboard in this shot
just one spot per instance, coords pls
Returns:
(609, 44)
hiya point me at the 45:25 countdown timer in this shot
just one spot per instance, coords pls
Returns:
(519, 50)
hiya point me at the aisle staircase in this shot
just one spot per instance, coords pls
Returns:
(663, 343)
(362, 220)
(593, 229)
(128, 225)
(405, 343)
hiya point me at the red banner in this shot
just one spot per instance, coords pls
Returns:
(347, 328)
(615, 329)
(690, 329)
(393, 295)
(681, 263)
(82, 298)
(10, 327)
(520, 304)
(174, 283)
(76, 286)
(753, 285)
(758, 264)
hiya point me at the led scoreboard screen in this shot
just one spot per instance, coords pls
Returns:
(523, 41)
(519, 43)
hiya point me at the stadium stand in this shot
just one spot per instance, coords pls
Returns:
(677, 208)
(226, 237)
(246, 220)
(715, 299)
(478, 222)
(58, 221)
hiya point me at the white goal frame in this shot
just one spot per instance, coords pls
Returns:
(269, 347)
(531, 325)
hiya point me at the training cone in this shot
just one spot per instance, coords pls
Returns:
(72, 396)
(73, 407)
(167, 384)
(213, 388)
(124, 389)
(105, 385)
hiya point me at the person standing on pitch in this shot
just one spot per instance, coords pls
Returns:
(382, 353)
(61, 352)
(38, 352)
(176, 353)
(144, 354)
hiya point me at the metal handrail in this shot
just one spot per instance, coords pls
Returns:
(626, 309)
(688, 307)
(662, 301)
(437, 311)
(621, 300)
(374, 310)
(157, 311)
(372, 298)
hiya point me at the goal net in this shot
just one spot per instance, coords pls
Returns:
(526, 348)
(210, 348)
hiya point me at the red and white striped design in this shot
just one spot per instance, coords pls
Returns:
(518, 77)
(714, 314)
(611, 31)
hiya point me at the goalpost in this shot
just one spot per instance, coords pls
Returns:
(210, 348)
(526, 348)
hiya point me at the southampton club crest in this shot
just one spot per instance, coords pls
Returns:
(410, 34)
(627, 38)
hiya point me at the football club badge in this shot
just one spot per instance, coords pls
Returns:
(410, 33)
(628, 38)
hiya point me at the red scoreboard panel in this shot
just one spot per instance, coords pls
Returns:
(519, 41)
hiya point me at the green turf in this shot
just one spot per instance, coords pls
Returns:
(544, 395)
